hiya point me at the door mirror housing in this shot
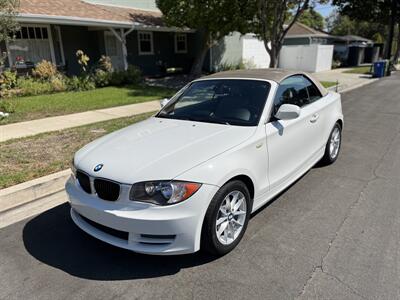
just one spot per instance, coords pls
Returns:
(164, 102)
(288, 112)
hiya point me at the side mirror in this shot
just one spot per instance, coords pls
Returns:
(164, 102)
(288, 112)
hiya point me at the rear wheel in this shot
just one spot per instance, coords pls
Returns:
(226, 218)
(333, 145)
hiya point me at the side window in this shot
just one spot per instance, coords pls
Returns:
(313, 92)
(292, 90)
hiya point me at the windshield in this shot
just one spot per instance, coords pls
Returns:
(223, 101)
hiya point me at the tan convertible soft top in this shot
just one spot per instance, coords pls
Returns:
(277, 75)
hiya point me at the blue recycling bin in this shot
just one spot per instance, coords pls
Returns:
(379, 69)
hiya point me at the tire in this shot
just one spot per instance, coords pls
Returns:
(221, 244)
(335, 137)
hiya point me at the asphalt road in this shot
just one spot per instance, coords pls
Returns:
(335, 234)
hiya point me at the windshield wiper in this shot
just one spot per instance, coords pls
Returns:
(189, 118)
(217, 122)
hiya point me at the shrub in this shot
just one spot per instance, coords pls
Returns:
(8, 80)
(101, 78)
(10, 93)
(7, 106)
(30, 87)
(103, 72)
(133, 75)
(105, 64)
(58, 84)
(82, 83)
(117, 78)
(130, 76)
(45, 70)
(230, 66)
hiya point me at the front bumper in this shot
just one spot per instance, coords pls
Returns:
(150, 229)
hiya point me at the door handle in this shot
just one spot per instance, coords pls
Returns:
(314, 118)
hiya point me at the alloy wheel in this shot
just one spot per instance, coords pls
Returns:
(231, 217)
(334, 144)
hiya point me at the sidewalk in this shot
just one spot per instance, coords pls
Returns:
(346, 81)
(23, 129)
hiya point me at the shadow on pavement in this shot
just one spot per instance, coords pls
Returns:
(54, 239)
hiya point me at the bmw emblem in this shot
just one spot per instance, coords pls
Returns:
(98, 167)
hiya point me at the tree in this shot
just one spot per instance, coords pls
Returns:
(271, 23)
(342, 25)
(385, 12)
(8, 10)
(312, 19)
(214, 19)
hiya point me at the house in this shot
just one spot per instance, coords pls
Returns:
(300, 34)
(354, 50)
(306, 49)
(55, 29)
(250, 50)
(350, 50)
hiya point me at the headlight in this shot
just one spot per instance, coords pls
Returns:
(163, 192)
(73, 168)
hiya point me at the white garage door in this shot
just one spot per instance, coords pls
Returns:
(309, 58)
(254, 52)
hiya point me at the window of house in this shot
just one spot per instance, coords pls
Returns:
(180, 43)
(145, 41)
(111, 45)
(32, 44)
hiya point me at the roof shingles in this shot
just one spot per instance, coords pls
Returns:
(81, 9)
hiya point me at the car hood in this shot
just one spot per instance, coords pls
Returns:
(158, 149)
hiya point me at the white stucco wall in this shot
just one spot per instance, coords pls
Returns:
(309, 58)
(227, 52)
(254, 52)
(237, 48)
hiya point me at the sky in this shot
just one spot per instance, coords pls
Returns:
(324, 9)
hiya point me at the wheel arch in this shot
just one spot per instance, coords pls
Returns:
(247, 181)
(340, 122)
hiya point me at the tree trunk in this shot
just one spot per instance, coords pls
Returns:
(274, 58)
(397, 54)
(392, 25)
(198, 63)
(273, 51)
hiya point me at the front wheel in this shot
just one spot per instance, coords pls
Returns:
(333, 145)
(226, 218)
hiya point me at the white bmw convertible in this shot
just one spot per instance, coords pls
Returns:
(189, 177)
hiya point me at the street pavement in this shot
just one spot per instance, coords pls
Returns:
(335, 234)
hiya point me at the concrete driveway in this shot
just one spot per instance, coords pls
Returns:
(335, 234)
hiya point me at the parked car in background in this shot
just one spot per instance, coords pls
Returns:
(189, 177)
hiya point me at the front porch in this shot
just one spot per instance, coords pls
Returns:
(153, 50)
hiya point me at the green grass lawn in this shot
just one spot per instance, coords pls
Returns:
(43, 154)
(359, 70)
(328, 84)
(36, 107)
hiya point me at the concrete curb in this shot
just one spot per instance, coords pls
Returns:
(350, 88)
(17, 202)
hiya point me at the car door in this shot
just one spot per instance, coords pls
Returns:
(291, 143)
(320, 121)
